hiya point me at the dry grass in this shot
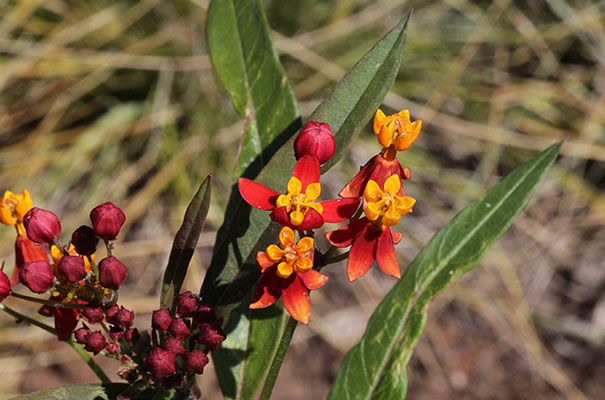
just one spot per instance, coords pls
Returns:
(117, 101)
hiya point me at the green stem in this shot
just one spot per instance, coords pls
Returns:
(107, 247)
(88, 360)
(278, 359)
(333, 259)
(48, 302)
(27, 319)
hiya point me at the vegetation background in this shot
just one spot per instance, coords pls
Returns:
(117, 101)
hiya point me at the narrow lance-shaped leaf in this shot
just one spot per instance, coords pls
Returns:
(246, 61)
(185, 243)
(375, 367)
(233, 272)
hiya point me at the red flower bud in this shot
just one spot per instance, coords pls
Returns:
(95, 342)
(42, 226)
(125, 317)
(37, 276)
(160, 363)
(203, 314)
(107, 219)
(172, 382)
(315, 139)
(210, 336)
(132, 335)
(112, 273)
(81, 334)
(175, 346)
(73, 268)
(161, 319)
(178, 328)
(195, 362)
(5, 286)
(94, 315)
(113, 348)
(84, 240)
(186, 304)
(111, 314)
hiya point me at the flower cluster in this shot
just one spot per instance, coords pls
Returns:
(287, 270)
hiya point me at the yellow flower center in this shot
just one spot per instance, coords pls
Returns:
(13, 208)
(396, 130)
(386, 204)
(291, 256)
(297, 204)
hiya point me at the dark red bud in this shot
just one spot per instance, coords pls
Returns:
(112, 273)
(111, 314)
(81, 334)
(5, 286)
(37, 276)
(94, 315)
(178, 328)
(116, 333)
(113, 348)
(195, 362)
(175, 346)
(161, 319)
(315, 139)
(125, 317)
(160, 363)
(186, 304)
(73, 268)
(107, 219)
(210, 336)
(173, 381)
(203, 314)
(132, 335)
(42, 226)
(84, 240)
(95, 342)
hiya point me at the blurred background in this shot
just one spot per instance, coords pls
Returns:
(117, 101)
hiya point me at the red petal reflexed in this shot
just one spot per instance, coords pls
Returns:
(344, 236)
(257, 195)
(385, 254)
(396, 237)
(296, 299)
(26, 251)
(307, 171)
(313, 220)
(339, 210)
(263, 261)
(280, 215)
(363, 253)
(268, 290)
(313, 279)
(65, 322)
(356, 186)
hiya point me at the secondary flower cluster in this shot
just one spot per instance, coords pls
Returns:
(287, 269)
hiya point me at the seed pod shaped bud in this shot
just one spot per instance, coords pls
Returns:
(132, 335)
(95, 342)
(195, 362)
(42, 226)
(111, 314)
(161, 319)
(175, 346)
(203, 314)
(5, 286)
(112, 273)
(113, 348)
(210, 336)
(107, 219)
(186, 304)
(73, 268)
(81, 334)
(178, 328)
(94, 315)
(37, 276)
(315, 139)
(125, 317)
(160, 363)
(84, 240)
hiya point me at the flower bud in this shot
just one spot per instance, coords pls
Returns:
(132, 335)
(178, 328)
(5, 286)
(315, 139)
(174, 381)
(73, 268)
(37, 276)
(112, 273)
(186, 304)
(42, 226)
(175, 346)
(107, 219)
(160, 363)
(94, 315)
(81, 334)
(84, 240)
(203, 314)
(113, 348)
(195, 362)
(161, 319)
(95, 342)
(111, 314)
(210, 336)
(115, 332)
(125, 317)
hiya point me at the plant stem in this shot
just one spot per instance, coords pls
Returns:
(48, 302)
(333, 259)
(278, 359)
(88, 360)
(27, 319)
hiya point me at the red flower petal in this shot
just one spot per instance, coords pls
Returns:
(339, 210)
(363, 253)
(280, 215)
(385, 254)
(307, 171)
(268, 290)
(296, 299)
(313, 220)
(257, 195)
(396, 237)
(26, 251)
(344, 236)
(263, 262)
(65, 322)
(313, 279)
(355, 187)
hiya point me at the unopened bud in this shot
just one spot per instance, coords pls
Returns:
(210, 336)
(95, 342)
(37, 276)
(186, 304)
(195, 362)
(73, 268)
(111, 314)
(81, 334)
(113, 348)
(125, 317)
(203, 314)
(160, 363)
(315, 139)
(42, 226)
(112, 273)
(132, 335)
(161, 319)
(107, 219)
(175, 345)
(5, 286)
(178, 328)
(94, 315)
(84, 240)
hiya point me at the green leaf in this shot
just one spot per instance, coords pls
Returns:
(375, 367)
(233, 271)
(93, 391)
(246, 61)
(185, 243)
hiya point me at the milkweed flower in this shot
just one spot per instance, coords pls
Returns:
(370, 237)
(287, 273)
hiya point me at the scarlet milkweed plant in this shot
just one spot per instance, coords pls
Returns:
(266, 262)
